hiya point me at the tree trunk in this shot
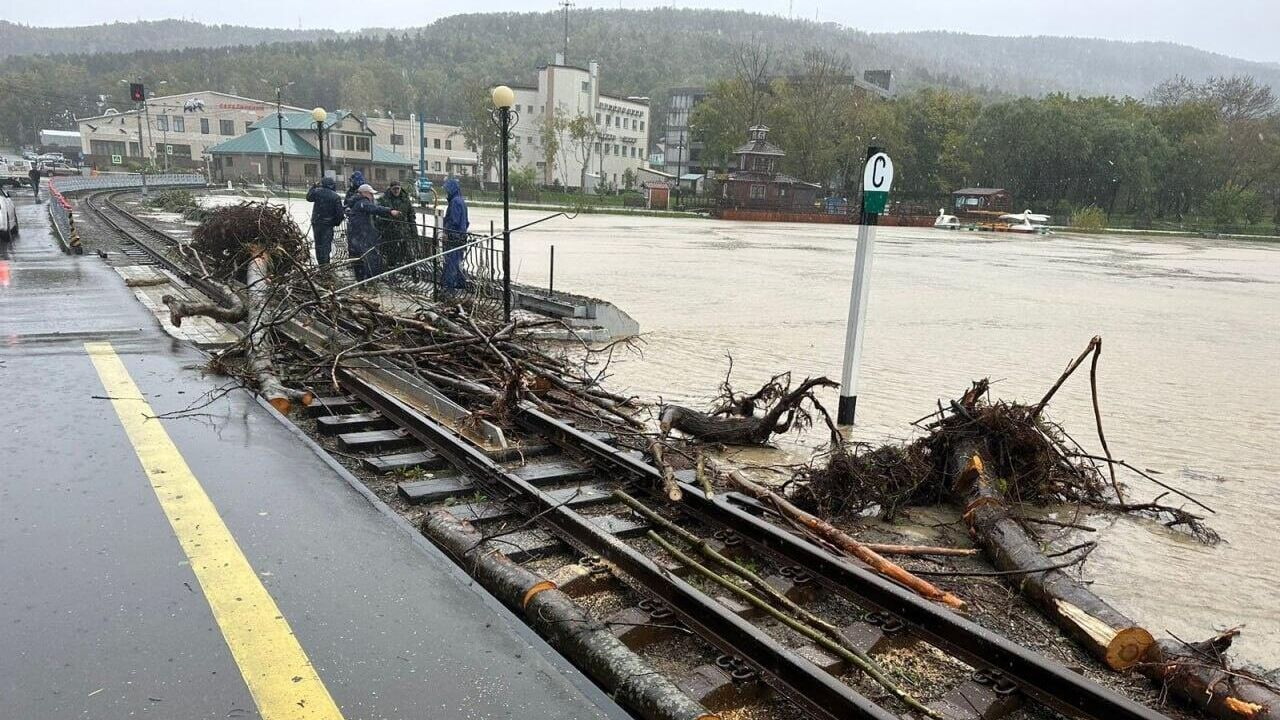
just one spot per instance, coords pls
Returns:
(585, 641)
(1104, 631)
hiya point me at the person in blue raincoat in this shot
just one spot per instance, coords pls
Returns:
(326, 214)
(455, 228)
(362, 236)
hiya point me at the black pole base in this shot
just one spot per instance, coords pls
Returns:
(844, 415)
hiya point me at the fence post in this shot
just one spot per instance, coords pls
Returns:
(551, 278)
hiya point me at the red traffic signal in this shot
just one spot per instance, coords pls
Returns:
(137, 93)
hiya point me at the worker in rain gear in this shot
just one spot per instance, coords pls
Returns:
(399, 233)
(326, 214)
(34, 176)
(353, 188)
(362, 236)
(455, 240)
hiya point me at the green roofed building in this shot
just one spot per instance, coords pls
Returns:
(289, 150)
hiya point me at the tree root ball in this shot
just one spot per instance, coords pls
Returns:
(230, 236)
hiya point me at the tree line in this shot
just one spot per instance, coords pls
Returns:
(1189, 151)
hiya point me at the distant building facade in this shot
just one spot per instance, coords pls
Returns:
(182, 127)
(621, 147)
(682, 152)
(446, 150)
(981, 200)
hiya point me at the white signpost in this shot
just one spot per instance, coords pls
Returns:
(877, 179)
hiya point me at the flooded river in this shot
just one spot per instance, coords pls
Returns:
(1189, 377)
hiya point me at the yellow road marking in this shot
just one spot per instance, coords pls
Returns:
(275, 667)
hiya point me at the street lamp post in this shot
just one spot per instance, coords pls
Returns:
(319, 115)
(503, 98)
(284, 185)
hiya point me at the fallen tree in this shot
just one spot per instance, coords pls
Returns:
(785, 411)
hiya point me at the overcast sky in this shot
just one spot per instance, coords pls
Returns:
(1242, 28)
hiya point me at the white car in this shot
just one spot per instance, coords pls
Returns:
(8, 217)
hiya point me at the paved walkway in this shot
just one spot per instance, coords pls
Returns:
(212, 566)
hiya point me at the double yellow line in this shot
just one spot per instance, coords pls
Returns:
(276, 669)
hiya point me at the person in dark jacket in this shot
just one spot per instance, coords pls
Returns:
(34, 176)
(397, 233)
(353, 188)
(362, 236)
(456, 224)
(326, 214)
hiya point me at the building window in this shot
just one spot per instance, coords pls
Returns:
(448, 144)
(435, 143)
(436, 166)
(179, 150)
(309, 169)
(226, 127)
(397, 139)
(530, 109)
(586, 86)
(757, 191)
(379, 173)
(248, 125)
(204, 126)
(179, 124)
(400, 173)
(162, 122)
(597, 118)
(362, 143)
(284, 168)
(641, 126)
(608, 120)
(227, 161)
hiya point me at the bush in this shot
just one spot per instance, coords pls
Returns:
(179, 201)
(1089, 219)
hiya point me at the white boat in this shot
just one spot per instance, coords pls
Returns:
(1026, 221)
(945, 221)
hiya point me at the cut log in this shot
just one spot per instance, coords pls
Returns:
(584, 640)
(1101, 629)
(843, 541)
(1195, 673)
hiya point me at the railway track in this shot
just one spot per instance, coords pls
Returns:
(551, 502)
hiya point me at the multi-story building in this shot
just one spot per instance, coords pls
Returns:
(446, 151)
(179, 128)
(682, 152)
(615, 148)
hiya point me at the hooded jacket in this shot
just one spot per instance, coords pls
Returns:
(353, 184)
(456, 222)
(361, 235)
(326, 210)
(402, 227)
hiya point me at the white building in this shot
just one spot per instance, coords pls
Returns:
(446, 150)
(618, 137)
(183, 127)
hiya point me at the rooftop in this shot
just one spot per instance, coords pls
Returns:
(263, 141)
(978, 191)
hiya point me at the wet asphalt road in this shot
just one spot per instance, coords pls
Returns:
(101, 615)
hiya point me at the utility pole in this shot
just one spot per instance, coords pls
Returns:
(566, 4)
(280, 138)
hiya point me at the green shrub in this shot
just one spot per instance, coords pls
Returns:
(179, 201)
(1089, 219)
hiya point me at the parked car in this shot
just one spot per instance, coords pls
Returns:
(59, 168)
(8, 217)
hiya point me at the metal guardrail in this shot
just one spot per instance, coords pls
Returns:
(63, 214)
(123, 181)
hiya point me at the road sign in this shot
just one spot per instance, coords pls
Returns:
(117, 160)
(877, 179)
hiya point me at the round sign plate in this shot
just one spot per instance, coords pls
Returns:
(878, 175)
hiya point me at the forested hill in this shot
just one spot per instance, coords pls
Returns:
(18, 39)
(669, 40)
(642, 52)
(1087, 66)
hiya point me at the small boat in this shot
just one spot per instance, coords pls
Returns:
(1026, 222)
(946, 222)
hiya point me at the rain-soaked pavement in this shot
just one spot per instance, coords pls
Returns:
(101, 613)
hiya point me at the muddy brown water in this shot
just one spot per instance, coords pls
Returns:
(1188, 378)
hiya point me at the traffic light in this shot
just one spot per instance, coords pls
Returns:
(137, 93)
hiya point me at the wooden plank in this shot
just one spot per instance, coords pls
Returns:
(539, 475)
(334, 424)
(332, 406)
(375, 439)
(574, 497)
(424, 459)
